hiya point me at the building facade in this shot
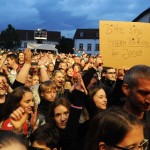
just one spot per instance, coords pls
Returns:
(27, 37)
(87, 40)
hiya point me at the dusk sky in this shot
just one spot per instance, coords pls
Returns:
(67, 15)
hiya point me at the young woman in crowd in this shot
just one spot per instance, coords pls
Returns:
(69, 75)
(50, 70)
(65, 115)
(115, 128)
(19, 113)
(97, 100)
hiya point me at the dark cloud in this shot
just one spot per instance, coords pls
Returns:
(67, 15)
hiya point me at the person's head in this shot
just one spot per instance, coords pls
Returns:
(12, 60)
(120, 74)
(59, 112)
(115, 127)
(3, 79)
(47, 90)
(50, 67)
(98, 95)
(20, 97)
(35, 80)
(109, 73)
(77, 59)
(136, 87)
(45, 137)
(28, 80)
(77, 67)
(69, 72)
(58, 78)
(21, 57)
(11, 141)
(63, 65)
(68, 84)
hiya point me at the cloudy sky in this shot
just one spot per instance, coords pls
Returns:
(67, 15)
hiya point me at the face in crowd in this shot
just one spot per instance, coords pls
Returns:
(100, 99)
(61, 115)
(27, 101)
(59, 112)
(59, 79)
(35, 80)
(111, 74)
(139, 95)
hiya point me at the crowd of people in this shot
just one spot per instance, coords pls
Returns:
(72, 102)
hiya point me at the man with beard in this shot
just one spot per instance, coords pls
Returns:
(136, 87)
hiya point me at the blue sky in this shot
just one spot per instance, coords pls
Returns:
(67, 15)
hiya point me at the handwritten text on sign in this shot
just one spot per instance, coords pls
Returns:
(125, 43)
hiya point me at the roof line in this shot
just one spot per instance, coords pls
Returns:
(141, 15)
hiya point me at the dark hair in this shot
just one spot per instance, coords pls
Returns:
(60, 101)
(136, 72)
(47, 133)
(12, 101)
(8, 138)
(5, 76)
(13, 57)
(93, 90)
(110, 127)
(106, 68)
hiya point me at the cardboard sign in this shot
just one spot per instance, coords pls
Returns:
(124, 44)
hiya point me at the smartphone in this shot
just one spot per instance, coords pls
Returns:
(34, 63)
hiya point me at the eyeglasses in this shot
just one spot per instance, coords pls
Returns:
(142, 146)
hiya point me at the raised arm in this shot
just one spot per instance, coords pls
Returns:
(43, 68)
(24, 71)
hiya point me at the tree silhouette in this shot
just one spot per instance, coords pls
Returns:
(65, 45)
(9, 38)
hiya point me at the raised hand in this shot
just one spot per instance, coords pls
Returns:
(18, 118)
(27, 55)
(6, 86)
(33, 119)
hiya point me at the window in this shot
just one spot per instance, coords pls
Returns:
(89, 47)
(81, 46)
(97, 47)
(81, 34)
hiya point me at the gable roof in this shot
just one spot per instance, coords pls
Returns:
(141, 15)
(86, 34)
(29, 35)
